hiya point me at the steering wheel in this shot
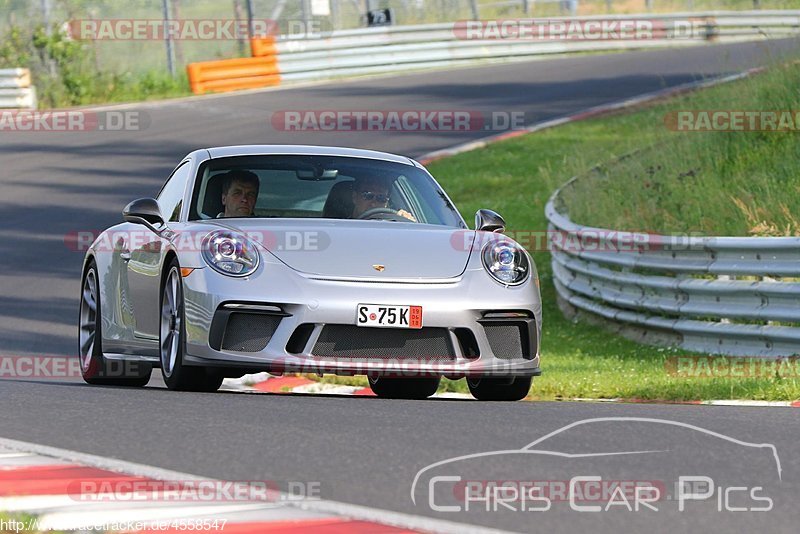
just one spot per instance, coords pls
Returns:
(383, 214)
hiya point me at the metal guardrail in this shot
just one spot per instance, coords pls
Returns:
(711, 294)
(387, 49)
(16, 91)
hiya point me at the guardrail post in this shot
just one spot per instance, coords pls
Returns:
(711, 30)
(473, 4)
(168, 38)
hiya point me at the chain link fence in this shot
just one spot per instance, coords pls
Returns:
(137, 56)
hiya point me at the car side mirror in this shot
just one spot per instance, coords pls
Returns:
(489, 221)
(144, 211)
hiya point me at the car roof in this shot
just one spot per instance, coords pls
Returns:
(311, 150)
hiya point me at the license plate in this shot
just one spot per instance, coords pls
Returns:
(388, 316)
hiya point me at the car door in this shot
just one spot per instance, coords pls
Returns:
(146, 250)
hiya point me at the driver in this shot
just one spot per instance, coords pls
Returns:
(239, 193)
(370, 193)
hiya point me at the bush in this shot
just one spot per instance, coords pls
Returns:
(65, 71)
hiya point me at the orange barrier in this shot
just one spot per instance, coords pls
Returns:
(263, 47)
(223, 75)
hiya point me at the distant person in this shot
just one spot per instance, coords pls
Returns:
(239, 194)
(371, 193)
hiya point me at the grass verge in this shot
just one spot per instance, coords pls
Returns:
(704, 182)
(516, 177)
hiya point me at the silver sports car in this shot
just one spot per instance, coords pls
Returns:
(305, 259)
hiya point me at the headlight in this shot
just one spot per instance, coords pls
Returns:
(506, 262)
(230, 253)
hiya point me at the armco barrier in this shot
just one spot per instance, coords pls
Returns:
(711, 294)
(234, 74)
(397, 48)
(16, 91)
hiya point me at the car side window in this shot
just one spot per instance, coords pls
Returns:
(170, 199)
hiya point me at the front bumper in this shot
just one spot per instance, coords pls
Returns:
(464, 304)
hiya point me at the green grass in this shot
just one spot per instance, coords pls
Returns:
(111, 88)
(516, 177)
(707, 183)
(67, 73)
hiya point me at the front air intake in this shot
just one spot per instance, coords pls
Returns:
(355, 342)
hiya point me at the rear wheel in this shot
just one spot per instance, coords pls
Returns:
(404, 388)
(95, 368)
(176, 374)
(500, 389)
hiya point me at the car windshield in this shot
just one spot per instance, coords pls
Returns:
(329, 187)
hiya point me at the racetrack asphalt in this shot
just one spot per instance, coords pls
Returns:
(362, 450)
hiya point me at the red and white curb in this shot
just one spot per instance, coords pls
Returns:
(266, 383)
(41, 481)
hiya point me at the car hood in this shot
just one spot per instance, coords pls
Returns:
(358, 249)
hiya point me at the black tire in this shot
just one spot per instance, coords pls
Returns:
(95, 368)
(500, 389)
(415, 388)
(176, 375)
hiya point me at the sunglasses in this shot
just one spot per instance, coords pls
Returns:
(377, 197)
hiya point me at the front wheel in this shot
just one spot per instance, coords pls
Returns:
(95, 368)
(404, 388)
(176, 375)
(500, 389)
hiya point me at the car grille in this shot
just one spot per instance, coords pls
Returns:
(354, 342)
(506, 340)
(249, 332)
